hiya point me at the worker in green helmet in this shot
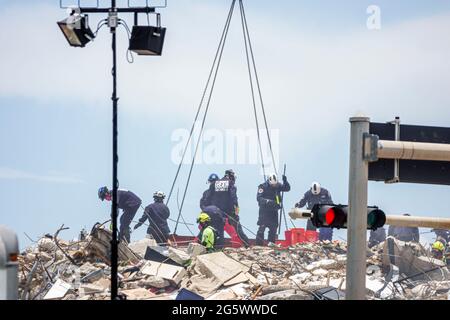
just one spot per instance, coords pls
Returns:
(208, 235)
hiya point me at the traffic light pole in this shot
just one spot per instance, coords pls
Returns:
(357, 214)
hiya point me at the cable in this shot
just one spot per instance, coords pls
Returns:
(252, 90)
(129, 54)
(227, 26)
(100, 24)
(258, 85)
(200, 104)
(181, 215)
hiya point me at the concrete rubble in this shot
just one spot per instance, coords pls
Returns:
(55, 269)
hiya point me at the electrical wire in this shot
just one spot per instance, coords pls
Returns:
(100, 24)
(129, 54)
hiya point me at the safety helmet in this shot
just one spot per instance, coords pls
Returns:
(230, 173)
(272, 179)
(438, 245)
(159, 195)
(213, 177)
(315, 188)
(203, 217)
(102, 193)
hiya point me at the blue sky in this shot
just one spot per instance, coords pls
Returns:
(318, 65)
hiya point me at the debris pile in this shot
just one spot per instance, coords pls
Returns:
(54, 269)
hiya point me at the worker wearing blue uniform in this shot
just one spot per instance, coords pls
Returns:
(316, 195)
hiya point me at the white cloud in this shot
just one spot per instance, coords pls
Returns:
(52, 177)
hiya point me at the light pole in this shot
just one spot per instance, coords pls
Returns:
(145, 40)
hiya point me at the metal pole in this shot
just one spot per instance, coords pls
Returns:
(282, 212)
(413, 150)
(422, 222)
(114, 214)
(357, 214)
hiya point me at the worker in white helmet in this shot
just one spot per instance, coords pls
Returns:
(316, 195)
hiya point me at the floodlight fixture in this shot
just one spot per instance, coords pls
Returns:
(76, 30)
(147, 40)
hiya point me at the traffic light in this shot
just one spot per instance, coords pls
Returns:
(375, 218)
(329, 216)
(335, 216)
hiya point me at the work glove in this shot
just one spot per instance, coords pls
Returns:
(284, 178)
(236, 210)
(137, 225)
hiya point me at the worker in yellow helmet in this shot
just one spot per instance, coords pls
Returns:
(207, 236)
(438, 250)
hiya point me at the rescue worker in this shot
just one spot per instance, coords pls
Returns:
(406, 234)
(438, 249)
(205, 200)
(316, 195)
(207, 236)
(223, 194)
(445, 234)
(128, 202)
(157, 214)
(376, 237)
(218, 218)
(268, 198)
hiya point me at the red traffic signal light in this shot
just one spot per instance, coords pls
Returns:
(329, 216)
(335, 216)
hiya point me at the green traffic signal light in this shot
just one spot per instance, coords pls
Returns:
(375, 218)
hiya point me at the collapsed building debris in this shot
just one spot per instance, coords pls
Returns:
(54, 269)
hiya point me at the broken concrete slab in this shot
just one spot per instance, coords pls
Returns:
(220, 266)
(195, 249)
(58, 290)
(379, 287)
(154, 282)
(166, 271)
(87, 268)
(320, 272)
(203, 285)
(140, 247)
(411, 260)
(93, 276)
(179, 256)
(90, 288)
(287, 295)
(324, 264)
(225, 294)
(300, 277)
(138, 294)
